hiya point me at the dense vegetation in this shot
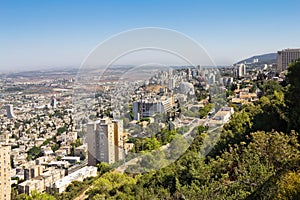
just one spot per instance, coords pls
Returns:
(34, 153)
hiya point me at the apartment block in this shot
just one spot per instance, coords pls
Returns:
(105, 141)
(41, 183)
(150, 106)
(32, 171)
(285, 57)
(5, 188)
(119, 138)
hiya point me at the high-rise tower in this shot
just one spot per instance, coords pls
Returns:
(5, 188)
(9, 111)
(285, 57)
(101, 144)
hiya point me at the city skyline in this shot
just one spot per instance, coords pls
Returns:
(149, 99)
(61, 34)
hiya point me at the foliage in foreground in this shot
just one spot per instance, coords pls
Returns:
(257, 157)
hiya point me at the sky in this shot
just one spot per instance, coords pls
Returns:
(37, 34)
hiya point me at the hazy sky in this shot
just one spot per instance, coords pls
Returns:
(56, 33)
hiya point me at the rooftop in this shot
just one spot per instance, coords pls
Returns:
(73, 176)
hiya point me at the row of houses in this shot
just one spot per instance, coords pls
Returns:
(55, 180)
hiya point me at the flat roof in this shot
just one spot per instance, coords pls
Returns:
(70, 158)
(73, 176)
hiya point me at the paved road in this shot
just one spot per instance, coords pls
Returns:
(194, 123)
(77, 167)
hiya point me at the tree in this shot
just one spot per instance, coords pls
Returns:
(55, 147)
(61, 130)
(270, 113)
(110, 184)
(154, 127)
(151, 144)
(35, 196)
(205, 110)
(182, 130)
(289, 186)
(177, 147)
(234, 132)
(292, 96)
(34, 153)
(103, 168)
(270, 86)
(153, 160)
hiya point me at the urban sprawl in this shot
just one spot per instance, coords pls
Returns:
(52, 134)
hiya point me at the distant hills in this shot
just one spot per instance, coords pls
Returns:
(264, 58)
